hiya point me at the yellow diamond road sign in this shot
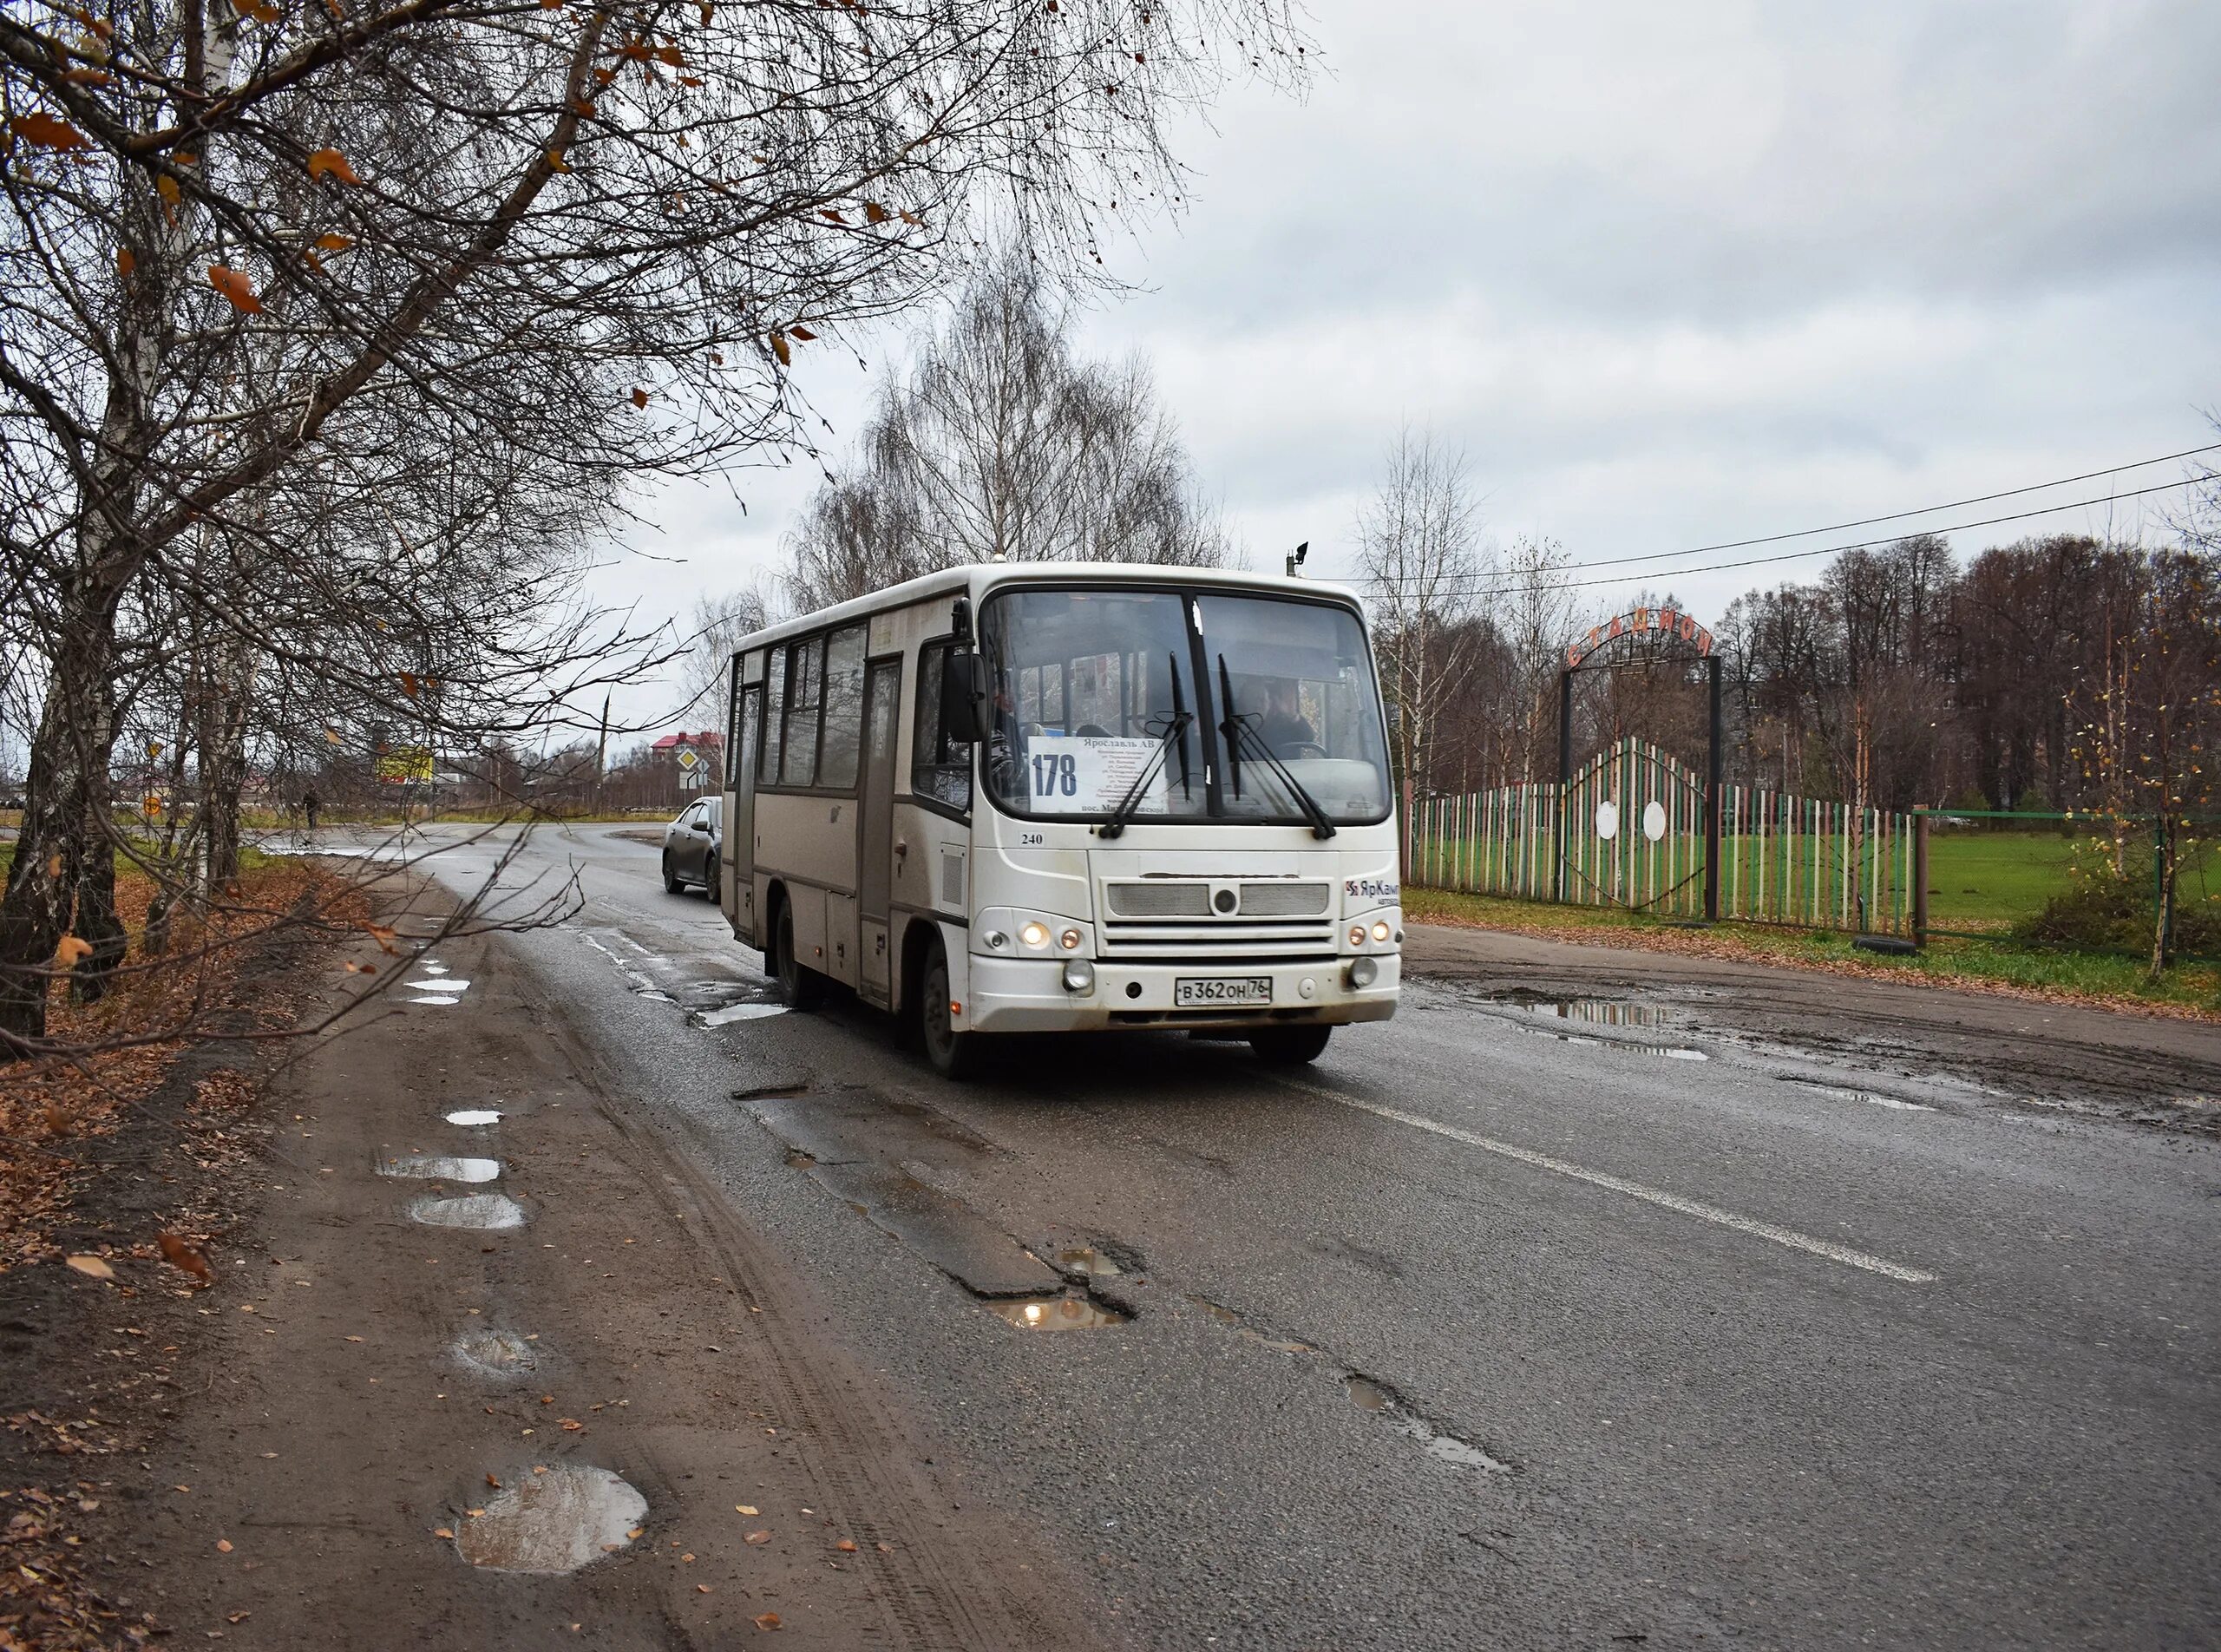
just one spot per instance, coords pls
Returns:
(688, 758)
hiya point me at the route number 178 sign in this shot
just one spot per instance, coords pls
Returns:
(1087, 774)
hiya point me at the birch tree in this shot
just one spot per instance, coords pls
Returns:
(1422, 564)
(247, 241)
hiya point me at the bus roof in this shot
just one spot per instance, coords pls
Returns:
(977, 580)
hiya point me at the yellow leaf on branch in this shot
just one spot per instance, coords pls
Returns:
(330, 163)
(236, 288)
(48, 131)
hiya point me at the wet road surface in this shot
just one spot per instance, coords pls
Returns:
(1509, 1323)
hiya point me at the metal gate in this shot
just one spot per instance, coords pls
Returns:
(1634, 833)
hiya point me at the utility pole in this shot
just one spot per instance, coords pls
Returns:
(1295, 560)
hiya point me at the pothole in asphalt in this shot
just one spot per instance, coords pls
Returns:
(498, 1353)
(432, 1167)
(1377, 1398)
(474, 1116)
(489, 1210)
(1056, 1313)
(555, 1521)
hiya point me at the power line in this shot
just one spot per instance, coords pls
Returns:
(1495, 584)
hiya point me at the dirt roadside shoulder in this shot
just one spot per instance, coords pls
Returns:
(546, 1383)
(2149, 1069)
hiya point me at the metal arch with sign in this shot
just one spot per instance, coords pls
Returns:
(402, 765)
(1668, 797)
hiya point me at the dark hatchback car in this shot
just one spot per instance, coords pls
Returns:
(691, 845)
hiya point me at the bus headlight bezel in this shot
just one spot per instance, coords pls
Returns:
(1363, 971)
(1079, 976)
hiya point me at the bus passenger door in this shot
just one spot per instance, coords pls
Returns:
(739, 890)
(876, 822)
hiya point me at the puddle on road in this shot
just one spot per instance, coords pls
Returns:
(1227, 1316)
(1056, 1313)
(732, 1013)
(555, 1521)
(488, 1210)
(1086, 1259)
(498, 1353)
(430, 1167)
(441, 984)
(448, 1001)
(1368, 1396)
(1609, 1011)
(474, 1116)
(1846, 1093)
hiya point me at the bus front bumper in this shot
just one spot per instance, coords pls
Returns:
(1028, 995)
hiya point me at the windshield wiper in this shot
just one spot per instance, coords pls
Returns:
(1236, 729)
(1116, 823)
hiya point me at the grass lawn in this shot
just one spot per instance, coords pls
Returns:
(2187, 988)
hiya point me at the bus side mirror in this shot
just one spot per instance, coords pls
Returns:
(963, 696)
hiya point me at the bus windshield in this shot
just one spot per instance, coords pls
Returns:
(1097, 707)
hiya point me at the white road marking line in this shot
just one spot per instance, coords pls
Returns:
(1703, 1212)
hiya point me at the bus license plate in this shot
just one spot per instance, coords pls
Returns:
(1193, 993)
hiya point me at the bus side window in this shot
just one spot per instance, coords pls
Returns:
(775, 701)
(844, 709)
(939, 770)
(798, 763)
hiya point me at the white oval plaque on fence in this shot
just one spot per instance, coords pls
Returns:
(1607, 819)
(1654, 820)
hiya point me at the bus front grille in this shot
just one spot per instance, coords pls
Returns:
(1192, 898)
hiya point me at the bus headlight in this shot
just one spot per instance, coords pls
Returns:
(1079, 975)
(1069, 940)
(1381, 930)
(1364, 972)
(1357, 934)
(1034, 933)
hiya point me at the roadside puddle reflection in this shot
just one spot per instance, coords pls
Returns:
(432, 1167)
(498, 1353)
(555, 1521)
(1056, 1313)
(1086, 1259)
(488, 1210)
(470, 1116)
(1609, 1011)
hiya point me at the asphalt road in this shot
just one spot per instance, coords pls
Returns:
(1501, 1327)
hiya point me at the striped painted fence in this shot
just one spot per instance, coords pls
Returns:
(1636, 838)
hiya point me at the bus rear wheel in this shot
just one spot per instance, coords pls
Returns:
(801, 987)
(1289, 1047)
(953, 1053)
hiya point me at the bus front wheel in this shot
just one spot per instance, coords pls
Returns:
(800, 986)
(1290, 1047)
(953, 1053)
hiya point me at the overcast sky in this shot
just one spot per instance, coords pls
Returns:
(1671, 275)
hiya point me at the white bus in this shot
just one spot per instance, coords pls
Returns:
(1034, 798)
